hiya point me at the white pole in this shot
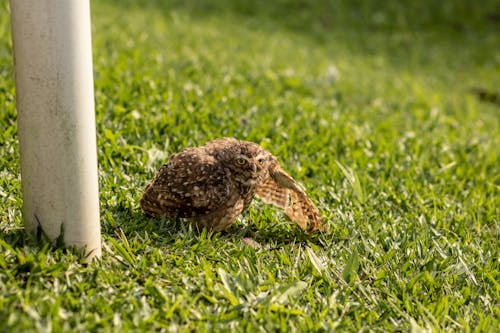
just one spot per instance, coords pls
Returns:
(56, 121)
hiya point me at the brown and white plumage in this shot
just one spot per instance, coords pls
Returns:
(283, 191)
(213, 184)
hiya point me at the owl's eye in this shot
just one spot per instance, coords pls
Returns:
(241, 161)
(260, 161)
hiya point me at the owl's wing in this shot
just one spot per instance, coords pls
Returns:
(187, 185)
(271, 193)
(283, 191)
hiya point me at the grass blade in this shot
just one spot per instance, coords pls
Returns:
(226, 287)
(289, 292)
(315, 261)
(350, 270)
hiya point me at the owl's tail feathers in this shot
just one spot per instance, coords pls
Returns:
(151, 202)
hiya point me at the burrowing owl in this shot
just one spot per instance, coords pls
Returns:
(213, 184)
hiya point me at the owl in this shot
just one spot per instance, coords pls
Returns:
(213, 184)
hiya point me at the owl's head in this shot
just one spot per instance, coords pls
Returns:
(248, 162)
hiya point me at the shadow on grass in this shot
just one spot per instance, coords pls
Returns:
(29, 251)
(318, 17)
(161, 232)
(17, 237)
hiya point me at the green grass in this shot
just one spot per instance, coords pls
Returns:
(368, 103)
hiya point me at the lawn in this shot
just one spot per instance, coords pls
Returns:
(389, 116)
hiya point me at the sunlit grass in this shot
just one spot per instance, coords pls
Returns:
(369, 105)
